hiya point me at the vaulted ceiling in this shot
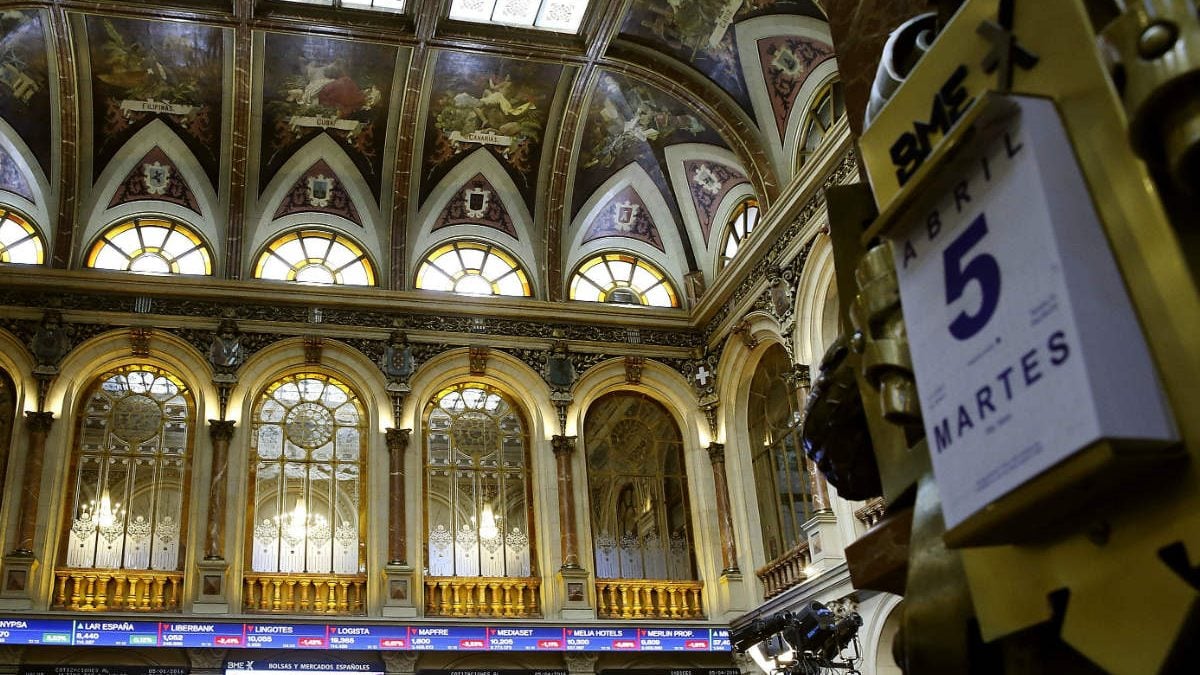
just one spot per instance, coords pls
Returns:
(246, 120)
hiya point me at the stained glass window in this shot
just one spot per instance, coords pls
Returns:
(829, 107)
(153, 246)
(637, 488)
(780, 467)
(472, 268)
(741, 224)
(478, 518)
(307, 461)
(317, 257)
(131, 471)
(563, 16)
(622, 278)
(19, 240)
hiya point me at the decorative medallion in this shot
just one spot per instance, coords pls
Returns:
(136, 418)
(309, 425)
(156, 176)
(475, 201)
(320, 190)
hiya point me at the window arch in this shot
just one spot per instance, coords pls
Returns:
(478, 514)
(828, 107)
(315, 256)
(641, 527)
(307, 476)
(622, 278)
(151, 245)
(19, 239)
(783, 482)
(132, 460)
(473, 268)
(741, 224)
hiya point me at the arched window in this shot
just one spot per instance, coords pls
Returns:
(622, 278)
(151, 245)
(781, 477)
(641, 528)
(478, 514)
(127, 519)
(828, 107)
(19, 239)
(741, 224)
(473, 268)
(307, 463)
(315, 256)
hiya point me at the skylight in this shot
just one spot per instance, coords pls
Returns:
(377, 5)
(562, 16)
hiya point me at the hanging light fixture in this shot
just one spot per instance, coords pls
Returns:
(487, 526)
(107, 512)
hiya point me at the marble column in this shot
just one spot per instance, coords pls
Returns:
(38, 424)
(564, 447)
(716, 455)
(397, 443)
(221, 432)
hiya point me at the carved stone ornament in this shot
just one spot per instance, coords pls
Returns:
(560, 371)
(581, 663)
(313, 346)
(398, 362)
(633, 369)
(225, 353)
(479, 358)
(205, 659)
(399, 663)
(50, 343)
(139, 341)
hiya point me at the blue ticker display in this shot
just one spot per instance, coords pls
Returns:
(282, 635)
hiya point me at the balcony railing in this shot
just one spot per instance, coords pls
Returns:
(483, 596)
(305, 593)
(785, 571)
(88, 590)
(649, 599)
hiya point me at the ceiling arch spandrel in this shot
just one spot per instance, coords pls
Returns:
(478, 202)
(155, 178)
(702, 33)
(498, 104)
(142, 71)
(25, 94)
(319, 190)
(314, 85)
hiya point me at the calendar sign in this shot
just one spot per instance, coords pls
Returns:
(1024, 343)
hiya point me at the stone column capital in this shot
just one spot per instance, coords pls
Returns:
(716, 452)
(221, 430)
(39, 421)
(397, 439)
(563, 444)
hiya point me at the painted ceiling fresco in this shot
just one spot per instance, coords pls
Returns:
(155, 178)
(477, 202)
(702, 33)
(316, 85)
(629, 121)
(505, 137)
(148, 70)
(491, 102)
(25, 80)
(12, 179)
(786, 62)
